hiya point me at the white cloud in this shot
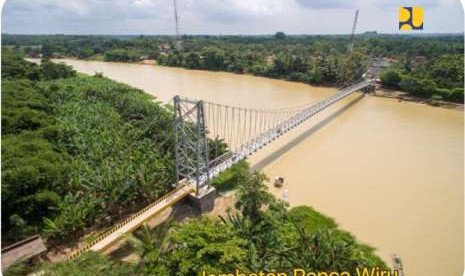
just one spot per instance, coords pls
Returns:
(219, 16)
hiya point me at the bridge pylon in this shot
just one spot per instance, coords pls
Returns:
(191, 144)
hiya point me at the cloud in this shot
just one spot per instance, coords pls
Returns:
(219, 16)
(408, 3)
(327, 4)
(236, 10)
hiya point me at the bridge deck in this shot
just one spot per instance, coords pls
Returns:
(120, 230)
(224, 162)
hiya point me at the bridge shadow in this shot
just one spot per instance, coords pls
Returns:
(278, 153)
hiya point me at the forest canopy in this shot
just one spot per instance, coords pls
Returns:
(313, 59)
(76, 150)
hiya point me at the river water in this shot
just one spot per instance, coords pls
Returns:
(389, 172)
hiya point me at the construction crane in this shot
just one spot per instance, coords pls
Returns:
(176, 20)
(354, 26)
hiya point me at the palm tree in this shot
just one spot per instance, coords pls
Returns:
(252, 195)
(322, 251)
(263, 245)
(216, 148)
(151, 244)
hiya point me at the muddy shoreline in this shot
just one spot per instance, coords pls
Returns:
(404, 96)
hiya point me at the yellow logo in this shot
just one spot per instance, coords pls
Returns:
(411, 18)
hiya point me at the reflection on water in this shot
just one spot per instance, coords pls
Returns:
(389, 172)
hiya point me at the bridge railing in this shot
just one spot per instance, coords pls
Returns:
(120, 224)
(228, 159)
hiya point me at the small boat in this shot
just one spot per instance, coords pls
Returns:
(279, 181)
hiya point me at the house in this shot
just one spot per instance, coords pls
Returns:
(164, 48)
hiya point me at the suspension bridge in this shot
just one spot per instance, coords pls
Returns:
(210, 138)
(201, 127)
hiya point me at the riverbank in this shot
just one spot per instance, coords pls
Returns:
(381, 92)
(404, 96)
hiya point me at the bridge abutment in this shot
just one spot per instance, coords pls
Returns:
(204, 202)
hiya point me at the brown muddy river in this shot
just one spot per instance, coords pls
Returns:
(389, 172)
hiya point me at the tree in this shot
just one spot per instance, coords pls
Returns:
(280, 35)
(321, 251)
(153, 247)
(252, 195)
(353, 67)
(390, 78)
(85, 52)
(418, 87)
(47, 51)
(205, 244)
(216, 148)
(51, 70)
(192, 60)
(213, 58)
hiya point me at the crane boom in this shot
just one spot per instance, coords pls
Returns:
(354, 26)
(176, 19)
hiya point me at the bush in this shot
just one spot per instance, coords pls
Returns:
(229, 179)
(311, 219)
(418, 87)
(456, 95)
(390, 78)
(51, 71)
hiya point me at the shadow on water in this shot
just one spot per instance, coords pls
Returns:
(276, 154)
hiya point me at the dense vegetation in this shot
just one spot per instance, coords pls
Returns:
(80, 151)
(76, 150)
(309, 59)
(260, 234)
(440, 78)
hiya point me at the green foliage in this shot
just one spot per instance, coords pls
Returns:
(216, 147)
(19, 268)
(23, 107)
(108, 129)
(309, 59)
(277, 240)
(89, 148)
(351, 68)
(121, 55)
(252, 195)
(47, 51)
(77, 149)
(324, 251)
(390, 78)
(14, 66)
(440, 77)
(446, 71)
(418, 87)
(51, 71)
(280, 35)
(311, 219)
(33, 165)
(89, 264)
(206, 244)
(230, 178)
(311, 224)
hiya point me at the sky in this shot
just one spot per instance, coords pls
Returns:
(221, 17)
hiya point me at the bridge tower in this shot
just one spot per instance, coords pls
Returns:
(191, 143)
(192, 164)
